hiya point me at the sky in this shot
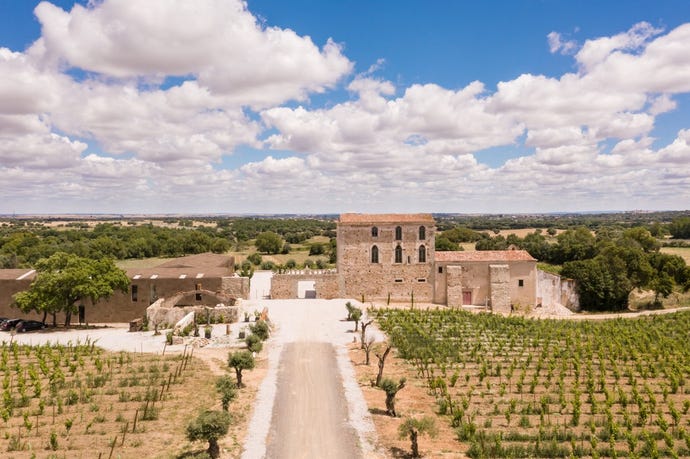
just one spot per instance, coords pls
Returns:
(312, 106)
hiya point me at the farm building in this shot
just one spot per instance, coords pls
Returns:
(194, 280)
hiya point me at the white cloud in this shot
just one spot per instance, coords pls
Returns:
(219, 42)
(558, 45)
(594, 52)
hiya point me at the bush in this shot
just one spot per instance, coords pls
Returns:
(254, 259)
(209, 426)
(254, 343)
(268, 265)
(260, 329)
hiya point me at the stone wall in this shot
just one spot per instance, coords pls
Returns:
(454, 285)
(236, 286)
(552, 289)
(125, 306)
(500, 288)
(285, 286)
(377, 280)
(474, 279)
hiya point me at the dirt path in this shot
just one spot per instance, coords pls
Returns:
(310, 412)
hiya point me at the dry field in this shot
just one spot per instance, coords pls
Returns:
(78, 400)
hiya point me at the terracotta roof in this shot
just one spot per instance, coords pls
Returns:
(485, 255)
(386, 218)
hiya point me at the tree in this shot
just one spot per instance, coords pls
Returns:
(413, 428)
(364, 332)
(209, 426)
(63, 279)
(268, 242)
(391, 388)
(443, 244)
(680, 228)
(574, 244)
(227, 389)
(241, 360)
(381, 356)
(355, 316)
(367, 345)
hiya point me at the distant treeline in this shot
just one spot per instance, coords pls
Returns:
(562, 221)
(23, 243)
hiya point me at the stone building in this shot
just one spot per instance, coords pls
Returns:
(194, 280)
(393, 256)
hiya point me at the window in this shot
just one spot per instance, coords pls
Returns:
(398, 254)
(440, 269)
(398, 233)
(398, 281)
(374, 232)
(422, 233)
(422, 254)
(374, 254)
(521, 283)
(421, 280)
(198, 296)
(135, 293)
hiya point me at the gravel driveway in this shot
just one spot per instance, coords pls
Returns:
(310, 406)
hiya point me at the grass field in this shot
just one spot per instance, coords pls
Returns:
(514, 387)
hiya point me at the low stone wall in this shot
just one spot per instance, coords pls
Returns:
(285, 286)
(164, 313)
(553, 289)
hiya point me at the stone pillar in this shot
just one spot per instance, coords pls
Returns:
(499, 277)
(454, 286)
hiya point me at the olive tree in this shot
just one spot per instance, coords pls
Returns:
(209, 426)
(227, 389)
(391, 388)
(268, 242)
(241, 360)
(413, 428)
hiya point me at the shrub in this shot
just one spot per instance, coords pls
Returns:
(254, 343)
(209, 426)
(260, 329)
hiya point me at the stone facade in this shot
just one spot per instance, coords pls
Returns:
(393, 255)
(389, 254)
(286, 285)
(208, 272)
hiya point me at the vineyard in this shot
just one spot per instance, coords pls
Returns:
(516, 387)
(78, 400)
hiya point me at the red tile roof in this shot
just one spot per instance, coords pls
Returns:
(485, 255)
(386, 218)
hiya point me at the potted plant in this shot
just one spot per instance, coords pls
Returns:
(246, 317)
(207, 331)
(243, 333)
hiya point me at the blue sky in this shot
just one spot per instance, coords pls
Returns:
(323, 107)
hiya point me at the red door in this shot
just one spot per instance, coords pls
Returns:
(467, 297)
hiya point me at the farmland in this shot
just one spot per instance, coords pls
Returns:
(515, 387)
(78, 400)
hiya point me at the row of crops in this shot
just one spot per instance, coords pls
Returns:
(78, 398)
(516, 387)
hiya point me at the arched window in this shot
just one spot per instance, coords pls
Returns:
(398, 233)
(422, 233)
(398, 254)
(374, 254)
(422, 254)
(374, 232)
